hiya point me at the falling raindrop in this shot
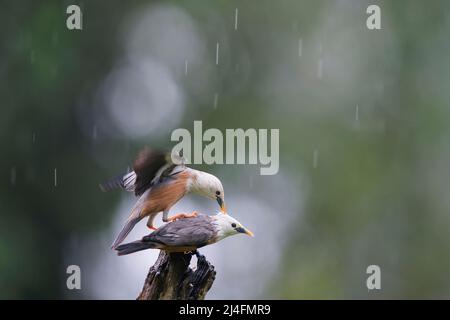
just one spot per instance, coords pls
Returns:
(315, 158)
(55, 37)
(357, 116)
(32, 56)
(320, 62)
(94, 132)
(300, 45)
(13, 176)
(33, 137)
(251, 182)
(217, 54)
(55, 177)
(236, 13)
(216, 100)
(55, 70)
(185, 67)
(320, 68)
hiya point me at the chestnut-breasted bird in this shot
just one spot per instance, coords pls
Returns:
(187, 234)
(159, 183)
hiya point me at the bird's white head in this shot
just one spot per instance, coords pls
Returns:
(228, 226)
(208, 185)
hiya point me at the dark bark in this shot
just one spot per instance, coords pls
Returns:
(172, 278)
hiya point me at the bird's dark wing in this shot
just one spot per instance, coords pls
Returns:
(150, 164)
(125, 181)
(150, 168)
(185, 232)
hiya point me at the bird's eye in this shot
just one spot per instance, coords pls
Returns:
(218, 193)
(233, 225)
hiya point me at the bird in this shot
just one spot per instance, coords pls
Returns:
(187, 235)
(159, 183)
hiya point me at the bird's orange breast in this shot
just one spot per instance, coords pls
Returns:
(162, 197)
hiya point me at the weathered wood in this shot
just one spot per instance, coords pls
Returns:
(171, 278)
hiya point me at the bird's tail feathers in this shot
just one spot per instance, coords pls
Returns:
(125, 231)
(135, 246)
(124, 181)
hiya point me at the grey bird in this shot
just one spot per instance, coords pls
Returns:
(186, 235)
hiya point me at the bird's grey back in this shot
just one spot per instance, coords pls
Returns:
(197, 231)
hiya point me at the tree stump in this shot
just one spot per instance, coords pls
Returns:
(171, 278)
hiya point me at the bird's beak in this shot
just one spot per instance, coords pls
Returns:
(221, 203)
(244, 230)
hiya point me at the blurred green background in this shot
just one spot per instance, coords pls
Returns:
(363, 118)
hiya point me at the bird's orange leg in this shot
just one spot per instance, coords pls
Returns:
(183, 215)
(150, 223)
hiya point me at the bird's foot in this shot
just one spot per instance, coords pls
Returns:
(152, 228)
(183, 216)
(193, 214)
(200, 258)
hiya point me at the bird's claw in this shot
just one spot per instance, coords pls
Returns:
(198, 254)
(193, 214)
